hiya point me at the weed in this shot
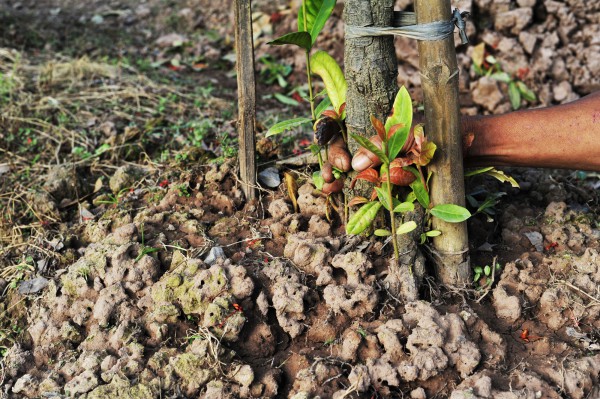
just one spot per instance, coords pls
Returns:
(273, 71)
(114, 200)
(84, 272)
(145, 250)
(362, 332)
(184, 190)
(483, 276)
(486, 64)
(205, 91)
(14, 274)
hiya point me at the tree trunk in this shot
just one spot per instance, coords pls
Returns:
(370, 67)
(439, 79)
(371, 71)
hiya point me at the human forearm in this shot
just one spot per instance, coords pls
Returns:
(565, 136)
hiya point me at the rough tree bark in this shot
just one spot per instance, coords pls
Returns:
(439, 79)
(370, 67)
(371, 71)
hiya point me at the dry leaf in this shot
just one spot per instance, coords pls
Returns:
(292, 189)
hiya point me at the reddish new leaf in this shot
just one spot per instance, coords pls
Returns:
(426, 153)
(399, 176)
(357, 201)
(331, 113)
(379, 128)
(370, 175)
(394, 129)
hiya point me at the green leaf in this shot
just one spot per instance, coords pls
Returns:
(404, 207)
(419, 189)
(407, 227)
(478, 171)
(382, 233)
(365, 142)
(328, 69)
(514, 95)
(382, 195)
(363, 218)
(503, 177)
(433, 233)
(317, 13)
(286, 100)
(476, 277)
(501, 77)
(490, 201)
(287, 125)
(451, 213)
(401, 113)
(526, 93)
(300, 39)
(318, 180)
(487, 270)
(323, 105)
(411, 197)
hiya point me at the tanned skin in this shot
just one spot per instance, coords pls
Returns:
(565, 136)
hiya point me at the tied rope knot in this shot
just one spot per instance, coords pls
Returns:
(405, 24)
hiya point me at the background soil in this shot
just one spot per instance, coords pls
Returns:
(132, 267)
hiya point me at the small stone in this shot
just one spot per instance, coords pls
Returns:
(83, 383)
(214, 254)
(536, 239)
(562, 91)
(526, 3)
(171, 40)
(270, 177)
(262, 303)
(514, 20)
(33, 286)
(142, 11)
(108, 129)
(244, 375)
(25, 385)
(486, 93)
(97, 19)
(108, 362)
(528, 41)
(418, 393)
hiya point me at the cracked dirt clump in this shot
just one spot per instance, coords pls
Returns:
(431, 332)
(312, 255)
(287, 293)
(89, 332)
(354, 295)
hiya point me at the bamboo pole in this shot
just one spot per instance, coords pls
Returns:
(246, 96)
(439, 79)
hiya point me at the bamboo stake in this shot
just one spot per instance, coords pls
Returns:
(439, 79)
(246, 96)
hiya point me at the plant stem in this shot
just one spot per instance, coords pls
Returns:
(343, 131)
(320, 158)
(392, 218)
(308, 71)
(308, 77)
(345, 208)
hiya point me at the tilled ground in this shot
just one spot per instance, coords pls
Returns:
(132, 267)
